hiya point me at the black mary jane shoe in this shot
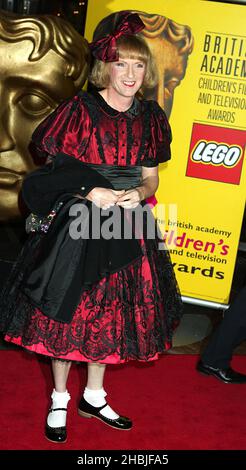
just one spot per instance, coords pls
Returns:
(57, 435)
(88, 411)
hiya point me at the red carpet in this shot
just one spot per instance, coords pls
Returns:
(172, 406)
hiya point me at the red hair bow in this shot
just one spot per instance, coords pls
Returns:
(105, 49)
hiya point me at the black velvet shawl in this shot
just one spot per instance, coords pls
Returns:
(60, 268)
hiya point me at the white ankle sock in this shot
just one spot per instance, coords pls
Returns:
(57, 419)
(97, 398)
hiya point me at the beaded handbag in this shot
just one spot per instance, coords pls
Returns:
(35, 223)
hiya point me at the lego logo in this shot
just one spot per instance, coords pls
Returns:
(216, 154)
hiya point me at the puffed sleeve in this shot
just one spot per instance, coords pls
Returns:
(66, 130)
(159, 150)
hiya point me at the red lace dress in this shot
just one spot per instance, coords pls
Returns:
(130, 314)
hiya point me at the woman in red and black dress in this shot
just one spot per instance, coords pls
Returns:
(130, 313)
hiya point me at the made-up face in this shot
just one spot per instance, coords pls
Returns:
(126, 77)
(171, 67)
(29, 91)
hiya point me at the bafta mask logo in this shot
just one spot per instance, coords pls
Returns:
(170, 43)
(43, 61)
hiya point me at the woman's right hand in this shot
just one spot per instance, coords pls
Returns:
(103, 197)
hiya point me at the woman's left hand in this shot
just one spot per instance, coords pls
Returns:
(130, 199)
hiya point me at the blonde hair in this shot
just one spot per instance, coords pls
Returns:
(130, 47)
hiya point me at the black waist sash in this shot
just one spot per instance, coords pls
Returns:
(121, 177)
(44, 187)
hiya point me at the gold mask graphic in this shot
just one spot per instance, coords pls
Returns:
(170, 43)
(43, 61)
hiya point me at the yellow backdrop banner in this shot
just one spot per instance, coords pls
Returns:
(200, 49)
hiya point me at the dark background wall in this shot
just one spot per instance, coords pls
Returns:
(73, 11)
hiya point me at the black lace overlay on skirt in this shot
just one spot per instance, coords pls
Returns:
(130, 314)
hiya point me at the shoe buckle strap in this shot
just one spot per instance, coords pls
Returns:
(57, 409)
(102, 407)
